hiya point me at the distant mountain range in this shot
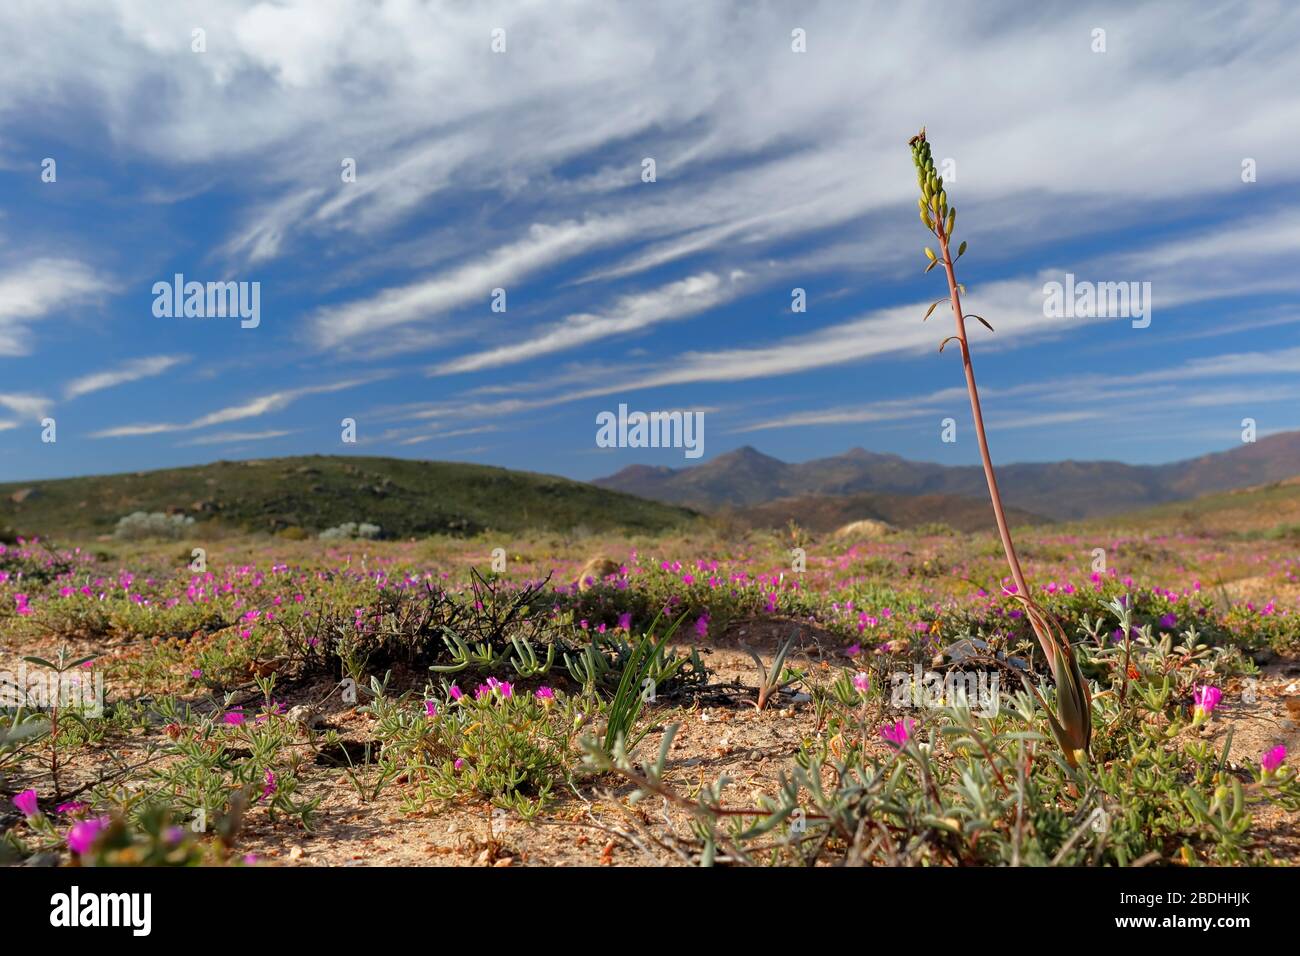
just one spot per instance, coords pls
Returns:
(303, 496)
(746, 478)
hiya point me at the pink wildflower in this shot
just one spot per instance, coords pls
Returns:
(1272, 760)
(26, 802)
(83, 834)
(898, 734)
(1204, 700)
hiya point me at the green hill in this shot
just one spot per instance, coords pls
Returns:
(316, 492)
(1271, 510)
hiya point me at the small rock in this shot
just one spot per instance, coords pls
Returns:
(304, 715)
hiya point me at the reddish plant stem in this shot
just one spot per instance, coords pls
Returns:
(999, 513)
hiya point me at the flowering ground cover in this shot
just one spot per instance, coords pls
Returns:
(762, 698)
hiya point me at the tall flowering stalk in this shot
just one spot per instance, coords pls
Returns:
(1072, 724)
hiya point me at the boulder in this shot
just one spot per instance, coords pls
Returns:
(868, 529)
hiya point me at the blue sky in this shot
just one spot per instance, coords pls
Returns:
(522, 170)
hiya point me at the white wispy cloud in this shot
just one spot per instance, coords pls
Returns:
(254, 408)
(131, 371)
(431, 300)
(420, 439)
(759, 143)
(31, 407)
(1073, 399)
(226, 438)
(32, 291)
(631, 313)
(1014, 306)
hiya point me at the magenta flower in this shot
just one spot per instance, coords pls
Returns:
(853, 650)
(545, 693)
(702, 625)
(234, 717)
(459, 764)
(861, 682)
(625, 622)
(26, 802)
(1204, 700)
(84, 833)
(1271, 760)
(504, 688)
(73, 808)
(899, 734)
(455, 692)
(270, 784)
(430, 708)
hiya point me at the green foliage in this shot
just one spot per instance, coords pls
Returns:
(498, 743)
